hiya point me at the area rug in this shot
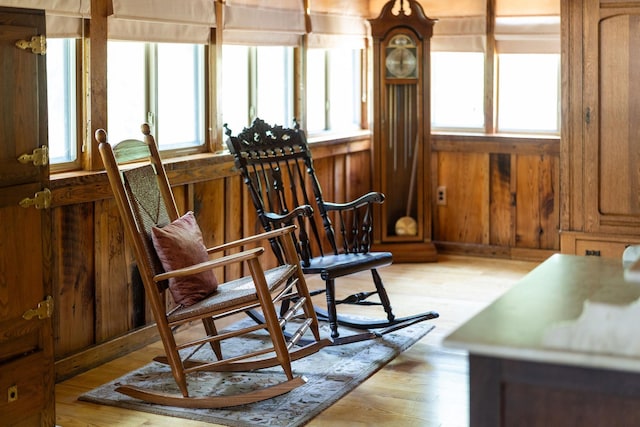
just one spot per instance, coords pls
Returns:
(331, 373)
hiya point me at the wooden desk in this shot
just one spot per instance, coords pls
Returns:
(515, 380)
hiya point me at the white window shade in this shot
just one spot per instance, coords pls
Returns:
(525, 26)
(332, 31)
(528, 34)
(64, 17)
(341, 7)
(260, 22)
(185, 21)
(459, 34)
(527, 8)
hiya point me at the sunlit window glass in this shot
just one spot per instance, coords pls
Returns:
(457, 90)
(126, 94)
(344, 89)
(61, 99)
(235, 87)
(528, 93)
(180, 119)
(316, 90)
(275, 84)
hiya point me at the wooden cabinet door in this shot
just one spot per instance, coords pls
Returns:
(612, 116)
(26, 338)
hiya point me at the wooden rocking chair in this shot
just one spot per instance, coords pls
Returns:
(277, 167)
(158, 236)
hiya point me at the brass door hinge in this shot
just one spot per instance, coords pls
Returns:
(37, 44)
(39, 157)
(43, 311)
(41, 200)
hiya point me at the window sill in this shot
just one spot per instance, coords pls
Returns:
(496, 143)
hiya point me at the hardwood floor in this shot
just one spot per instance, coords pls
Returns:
(425, 386)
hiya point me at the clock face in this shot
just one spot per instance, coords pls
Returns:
(401, 61)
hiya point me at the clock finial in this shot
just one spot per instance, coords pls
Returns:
(401, 7)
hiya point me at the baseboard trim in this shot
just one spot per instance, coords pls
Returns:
(101, 353)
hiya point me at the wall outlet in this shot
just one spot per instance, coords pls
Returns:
(441, 195)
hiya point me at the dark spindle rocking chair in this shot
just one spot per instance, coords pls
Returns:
(277, 167)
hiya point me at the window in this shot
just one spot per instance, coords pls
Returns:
(457, 90)
(529, 93)
(333, 89)
(158, 83)
(257, 82)
(520, 53)
(61, 99)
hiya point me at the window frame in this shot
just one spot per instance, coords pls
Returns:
(151, 89)
(253, 89)
(360, 116)
(522, 41)
(80, 102)
(539, 132)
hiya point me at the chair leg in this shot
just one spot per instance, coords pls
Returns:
(271, 318)
(210, 328)
(173, 358)
(382, 293)
(331, 307)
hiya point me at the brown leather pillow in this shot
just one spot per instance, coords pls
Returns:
(180, 245)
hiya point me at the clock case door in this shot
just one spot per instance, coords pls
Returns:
(401, 137)
(401, 159)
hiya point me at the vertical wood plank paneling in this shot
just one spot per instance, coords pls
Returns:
(500, 200)
(209, 208)
(549, 205)
(357, 179)
(462, 219)
(73, 278)
(358, 175)
(340, 178)
(183, 197)
(233, 229)
(528, 216)
(537, 214)
(113, 287)
(250, 224)
(325, 169)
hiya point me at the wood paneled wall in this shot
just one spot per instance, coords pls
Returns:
(502, 200)
(502, 195)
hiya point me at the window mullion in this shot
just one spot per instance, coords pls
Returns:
(327, 90)
(490, 75)
(151, 87)
(253, 83)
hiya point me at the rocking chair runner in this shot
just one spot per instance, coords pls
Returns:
(146, 204)
(277, 167)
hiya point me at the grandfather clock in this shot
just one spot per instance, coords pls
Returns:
(402, 129)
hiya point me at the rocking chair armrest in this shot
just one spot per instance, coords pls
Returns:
(369, 198)
(208, 265)
(279, 219)
(255, 238)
